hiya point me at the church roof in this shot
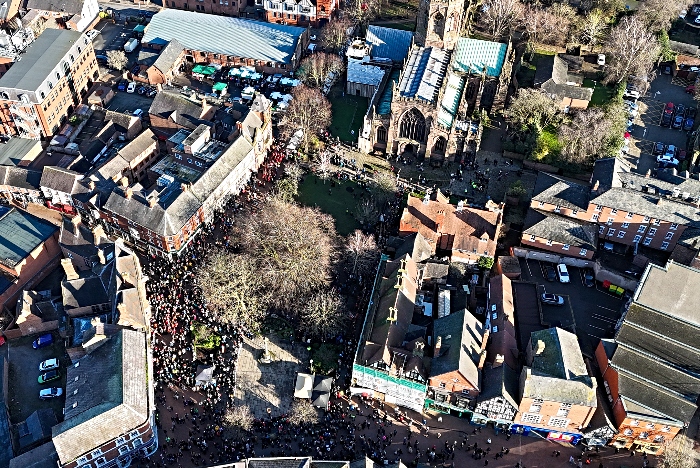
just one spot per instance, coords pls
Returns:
(475, 55)
(423, 74)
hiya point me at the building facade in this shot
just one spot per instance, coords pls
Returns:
(313, 13)
(39, 92)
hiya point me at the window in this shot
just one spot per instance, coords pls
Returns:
(656, 222)
(531, 418)
(598, 207)
(549, 242)
(564, 409)
(634, 423)
(613, 211)
(601, 230)
(558, 422)
(666, 429)
(644, 435)
(574, 212)
(647, 241)
(674, 226)
(664, 245)
(566, 247)
(610, 220)
(625, 225)
(611, 232)
(629, 215)
(540, 204)
(178, 156)
(651, 425)
(199, 164)
(642, 229)
(595, 217)
(465, 391)
(628, 432)
(651, 232)
(583, 252)
(442, 385)
(637, 238)
(123, 449)
(50, 85)
(646, 219)
(669, 235)
(658, 438)
(557, 209)
(621, 234)
(189, 160)
(536, 405)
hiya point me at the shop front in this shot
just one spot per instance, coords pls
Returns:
(555, 436)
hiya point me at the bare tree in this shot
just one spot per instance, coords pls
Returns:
(309, 111)
(323, 166)
(323, 314)
(292, 248)
(678, 453)
(632, 49)
(532, 108)
(363, 11)
(319, 68)
(293, 170)
(232, 289)
(548, 26)
(362, 251)
(117, 59)
(334, 35)
(239, 419)
(303, 412)
(500, 15)
(658, 14)
(367, 212)
(592, 133)
(591, 27)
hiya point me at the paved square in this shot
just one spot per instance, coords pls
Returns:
(262, 386)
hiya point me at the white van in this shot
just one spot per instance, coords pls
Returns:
(130, 45)
(563, 273)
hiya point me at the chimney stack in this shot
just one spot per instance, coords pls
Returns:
(596, 186)
(98, 232)
(647, 174)
(128, 193)
(101, 256)
(124, 182)
(184, 187)
(152, 202)
(91, 185)
(500, 359)
(539, 347)
(76, 220)
(438, 345)
(69, 269)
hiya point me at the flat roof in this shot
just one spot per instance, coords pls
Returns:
(671, 290)
(12, 152)
(40, 59)
(268, 42)
(20, 234)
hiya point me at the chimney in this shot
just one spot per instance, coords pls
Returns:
(419, 349)
(596, 186)
(69, 269)
(439, 220)
(124, 182)
(152, 202)
(438, 345)
(101, 256)
(184, 187)
(539, 349)
(500, 359)
(128, 193)
(91, 185)
(659, 201)
(76, 222)
(482, 359)
(647, 174)
(98, 232)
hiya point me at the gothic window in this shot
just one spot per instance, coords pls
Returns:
(440, 145)
(439, 24)
(381, 134)
(450, 23)
(412, 126)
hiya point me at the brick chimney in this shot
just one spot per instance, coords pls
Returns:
(98, 232)
(500, 359)
(438, 345)
(91, 185)
(153, 201)
(439, 220)
(128, 193)
(539, 347)
(68, 267)
(101, 256)
(124, 182)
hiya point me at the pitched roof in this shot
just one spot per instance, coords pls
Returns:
(461, 335)
(44, 456)
(671, 290)
(83, 292)
(561, 356)
(665, 183)
(363, 73)
(423, 73)
(607, 173)
(268, 42)
(499, 382)
(552, 76)
(72, 7)
(138, 145)
(646, 393)
(502, 340)
(561, 229)
(40, 58)
(20, 234)
(389, 43)
(557, 191)
(80, 239)
(13, 150)
(475, 55)
(173, 105)
(169, 56)
(110, 387)
(650, 205)
(278, 462)
(60, 179)
(20, 177)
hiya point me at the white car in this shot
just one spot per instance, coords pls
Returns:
(631, 94)
(667, 160)
(563, 273)
(92, 34)
(49, 364)
(601, 59)
(47, 393)
(131, 88)
(697, 20)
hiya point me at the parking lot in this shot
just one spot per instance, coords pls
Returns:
(129, 102)
(23, 391)
(591, 312)
(647, 129)
(112, 36)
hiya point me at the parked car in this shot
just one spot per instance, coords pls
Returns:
(688, 124)
(669, 108)
(588, 278)
(43, 341)
(563, 273)
(667, 70)
(678, 122)
(697, 20)
(631, 94)
(666, 120)
(52, 392)
(138, 113)
(92, 34)
(691, 112)
(131, 88)
(601, 59)
(666, 161)
(680, 109)
(135, 69)
(122, 85)
(152, 92)
(550, 273)
(49, 376)
(552, 299)
(49, 364)
(659, 148)
(690, 89)
(102, 59)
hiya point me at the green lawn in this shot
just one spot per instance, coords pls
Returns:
(601, 94)
(340, 203)
(348, 112)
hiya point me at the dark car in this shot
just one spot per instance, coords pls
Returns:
(102, 59)
(678, 121)
(122, 85)
(681, 154)
(552, 299)
(680, 110)
(550, 273)
(588, 278)
(669, 108)
(43, 341)
(691, 112)
(666, 120)
(135, 69)
(49, 376)
(688, 124)
(659, 148)
(142, 90)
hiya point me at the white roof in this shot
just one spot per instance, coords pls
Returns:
(358, 72)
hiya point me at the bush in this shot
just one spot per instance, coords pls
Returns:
(325, 358)
(485, 263)
(547, 146)
(204, 337)
(517, 189)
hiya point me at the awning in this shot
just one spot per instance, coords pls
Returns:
(304, 386)
(140, 28)
(220, 87)
(204, 70)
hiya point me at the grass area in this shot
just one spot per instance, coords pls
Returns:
(601, 94)
(348, 112)
(408, 25)
(340, 203)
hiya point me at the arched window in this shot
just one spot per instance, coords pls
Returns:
(381, 134)
(439, 24)
(412, 126)
(440, 145)
(450, 23)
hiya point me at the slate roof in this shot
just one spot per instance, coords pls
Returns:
(169, 215)
(650, 205)
(138, 145)
(607, 173)
(60, 179)
(20, 177)
(560, 229)
(282, 462)
(40, 58)
(671, 290)
(148, 56)
(423, 73)
(12, 151)
(72, 7)
(557, 191)
(169, 56)
(664, 183)
(499, 382)
(504, 341)
(473, 55)
(35, 428)
(359, 72)
(173, 105)
(389, 43)
(233, 36)
(653, 396)
(552, 76)
(20, 234)
(112, 395)
(462, 350)
(44, 456)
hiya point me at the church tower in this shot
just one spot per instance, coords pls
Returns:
(439, 23)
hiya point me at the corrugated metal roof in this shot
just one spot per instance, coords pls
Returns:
(450, 100)
(237, 37)
(424, 73)
(389, 43)
(472, 55)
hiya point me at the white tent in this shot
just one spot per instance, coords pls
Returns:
(304, 386)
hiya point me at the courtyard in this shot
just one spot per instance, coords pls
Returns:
(335, 198)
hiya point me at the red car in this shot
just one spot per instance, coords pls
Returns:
(690, 89)
(681, 155)
(669, 108)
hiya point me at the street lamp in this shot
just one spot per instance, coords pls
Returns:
(656, 93)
